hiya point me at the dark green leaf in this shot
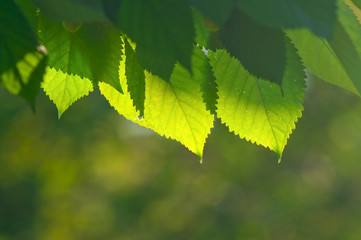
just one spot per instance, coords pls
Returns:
(218, 11)
(135, 78)
(16, 36)
(260, 49)
(163, 31)
(75, 11)
(317, 15)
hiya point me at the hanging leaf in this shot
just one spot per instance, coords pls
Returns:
(319, 16)
(256, 109)
(260, 49)
(135, 76)
(163, 31)
(75, 11)
(16, 36)
(337, 60)
(217, 11)
(64, 89)
(173, 110)
(90, 51)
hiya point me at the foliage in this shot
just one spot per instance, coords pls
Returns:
(175, 65)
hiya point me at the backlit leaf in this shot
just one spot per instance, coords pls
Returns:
(173, 110)
(256, 109)
(336, 60)
(64, 89)
(93, 51)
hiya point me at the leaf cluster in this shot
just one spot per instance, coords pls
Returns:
(175, 65)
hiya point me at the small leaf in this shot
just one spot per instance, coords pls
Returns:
(64, 89)
(134, 74)
(163, 31)
(174, 110)
(260, 49)
(256, 109)
(93, 51)
(319, 15)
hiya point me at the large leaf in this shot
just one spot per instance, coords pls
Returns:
(218, 11)
(336, 60)
(260, 49)
(174, 110)
(92, 52)
(74, 11)
(163, 31)
(317, 15)
(64, 89)
(256, 109)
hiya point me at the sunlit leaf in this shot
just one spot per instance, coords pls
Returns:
(256, 109)
(174, 110)
(93, 51)
(64, 89)
(337, 60)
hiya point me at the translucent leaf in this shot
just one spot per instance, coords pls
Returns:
(319, 15)
(260, 49)
(256, 109)
(64, 89)
(174, 110)
(93, 51)
(336, 60)
(163, 31)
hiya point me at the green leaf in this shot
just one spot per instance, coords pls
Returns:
(16, 36)
(260, 49)
(256, 109)
(218, 11)
(174, 110)
(30, 89)
(93, 51)
(64, 89)
(208, 84)
(25, 77)
(75, 11)
(135, 76)
(336, 60)
(319, 15)
(163, 31)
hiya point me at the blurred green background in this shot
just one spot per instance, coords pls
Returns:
(94, 175)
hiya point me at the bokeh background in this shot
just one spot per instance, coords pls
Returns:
(94, 175)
